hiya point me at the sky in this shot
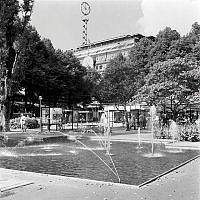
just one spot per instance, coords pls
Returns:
(60, 20)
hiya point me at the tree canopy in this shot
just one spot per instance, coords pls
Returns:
(55, 75)
(158, 70)
(118, 82)
(173, 64)
(173, 83)
(31, 64)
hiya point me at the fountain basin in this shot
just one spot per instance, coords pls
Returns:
(74, 160)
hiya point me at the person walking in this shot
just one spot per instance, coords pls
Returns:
(23, 123)
(2, 121)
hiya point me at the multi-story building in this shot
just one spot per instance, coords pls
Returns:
(97, 55)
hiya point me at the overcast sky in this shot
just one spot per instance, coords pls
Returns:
(60, 20)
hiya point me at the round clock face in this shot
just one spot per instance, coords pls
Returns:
(88, 62)
(85, 8)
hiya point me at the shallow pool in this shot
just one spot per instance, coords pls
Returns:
(134, 165)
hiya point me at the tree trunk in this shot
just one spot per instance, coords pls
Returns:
(126, 119)
(8, 90)
(175, 115)
(25, 101)
(7, 112)
(12, 106)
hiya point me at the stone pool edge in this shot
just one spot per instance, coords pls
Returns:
(168, 171)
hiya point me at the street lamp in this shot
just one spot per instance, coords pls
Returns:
(40, 99)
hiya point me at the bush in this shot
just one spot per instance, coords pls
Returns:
(32, 123)
(163, 133)
(14, 123)
(186, 132)
(189, 132)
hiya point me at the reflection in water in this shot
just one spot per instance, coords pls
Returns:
(73, 151)
(47, 148)
(13, 153)
(41, 154)
(175, 150)
(91, 148)
(7, 153)
(155, 155)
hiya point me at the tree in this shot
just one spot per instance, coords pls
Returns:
(149, 51)
(166, 51)
(162, 44)
(55, 75)
(186, 46)
(32, 65)
(172, 83)
(75, 89)
(13, 20)
(118, 84)
(92, 80)
(139, 58)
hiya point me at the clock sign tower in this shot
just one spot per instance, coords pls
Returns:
(85, 10)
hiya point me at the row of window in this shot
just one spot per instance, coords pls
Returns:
(99, 67)
(108, 56)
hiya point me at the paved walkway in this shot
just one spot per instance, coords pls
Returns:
(117, 135)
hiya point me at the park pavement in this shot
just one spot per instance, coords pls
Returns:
(180, 184)
(118, 134)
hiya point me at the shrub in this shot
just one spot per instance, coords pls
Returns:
(14, 123)
(32, 123)
(186, 132)
(164, 133)
(189, 132)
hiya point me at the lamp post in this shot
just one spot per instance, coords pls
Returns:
(40, 99)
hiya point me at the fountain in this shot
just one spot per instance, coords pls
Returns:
(91, 159)
(174, 133)
(107, 140)
(139, 139)
(104, 146)
(99, 137)
(84, 159)
(114, 172)
(154, 122)
(173, 130)
(152, 118)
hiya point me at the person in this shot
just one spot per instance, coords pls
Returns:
(2, 121)
(197, 122)
(133, 122)
(23, 123)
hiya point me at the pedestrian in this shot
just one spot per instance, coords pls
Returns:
(197, 122)
(133, 122)
(2, 121)
(23, 123)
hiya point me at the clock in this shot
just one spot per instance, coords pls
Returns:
(85, 8)
(88, 62)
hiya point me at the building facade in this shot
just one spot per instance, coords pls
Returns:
(97, 55)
